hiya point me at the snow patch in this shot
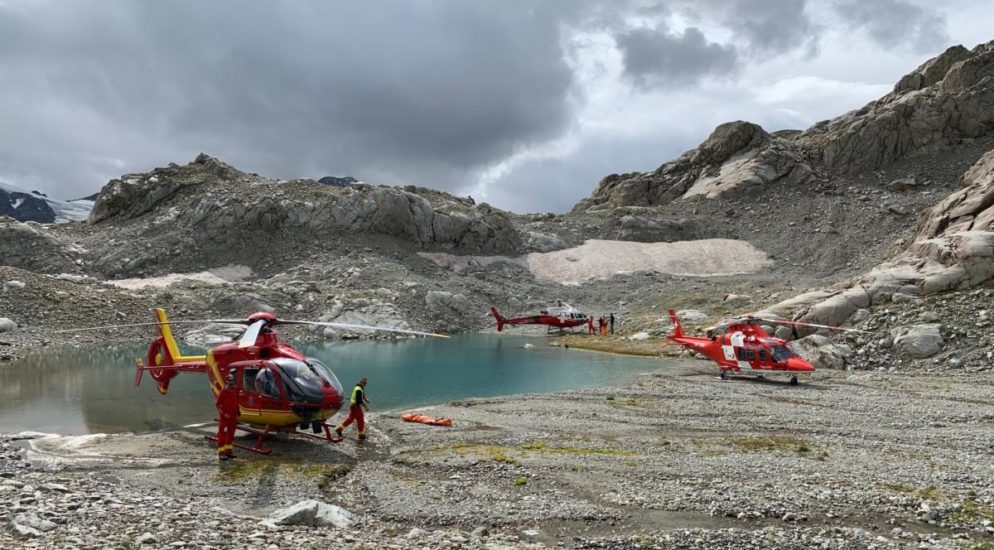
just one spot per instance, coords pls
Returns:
(601, 259)
(216, 276)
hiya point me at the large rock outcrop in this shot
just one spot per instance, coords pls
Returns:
(947, 99)
(952, 248)
(223, 208)
(735, 157)
(29, 246)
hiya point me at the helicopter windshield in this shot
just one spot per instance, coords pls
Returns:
(781, 353)
(302, 383)
(326, 373)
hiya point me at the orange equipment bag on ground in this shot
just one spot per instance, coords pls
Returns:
(427, 420)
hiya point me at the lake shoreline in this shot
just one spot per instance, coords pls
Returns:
(678, 458)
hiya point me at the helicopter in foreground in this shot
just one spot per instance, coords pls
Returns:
(279, 388)
(745, 348)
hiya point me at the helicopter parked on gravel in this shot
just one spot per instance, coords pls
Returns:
(745, 348)
(279, 388)
(560, 317)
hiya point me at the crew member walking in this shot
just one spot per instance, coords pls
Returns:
(590, 324)
(227, 413)
(611, 321)
(356, 406)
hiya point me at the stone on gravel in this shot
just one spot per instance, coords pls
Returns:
(6, 325)
(918, 341)
(311, 513)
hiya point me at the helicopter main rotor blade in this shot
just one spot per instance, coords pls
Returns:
(361, 327)
(157, 323)
(251, 334)
(799, 323)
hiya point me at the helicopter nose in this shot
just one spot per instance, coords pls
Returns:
(332, 399)
(795, 364)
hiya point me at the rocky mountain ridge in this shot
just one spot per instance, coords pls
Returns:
(944, 101)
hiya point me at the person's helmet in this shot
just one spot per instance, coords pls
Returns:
(232, 373)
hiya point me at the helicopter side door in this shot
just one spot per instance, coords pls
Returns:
(264, 388)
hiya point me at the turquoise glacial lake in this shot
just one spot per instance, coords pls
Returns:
(80, 391)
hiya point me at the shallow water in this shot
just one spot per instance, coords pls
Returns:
(79, 391)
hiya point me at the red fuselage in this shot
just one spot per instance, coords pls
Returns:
(563, 317)
(744, 347)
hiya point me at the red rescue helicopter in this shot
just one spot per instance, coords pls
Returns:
(280, 389)
(562, 316)
(745, 348)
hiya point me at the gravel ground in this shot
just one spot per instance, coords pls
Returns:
(680, 459)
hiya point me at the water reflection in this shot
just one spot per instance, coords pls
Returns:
(77, 391)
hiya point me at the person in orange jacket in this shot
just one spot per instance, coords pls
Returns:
(227, 421)
(590, 324)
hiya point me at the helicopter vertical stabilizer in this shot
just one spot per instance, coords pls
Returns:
(500, 320)
(677, 325)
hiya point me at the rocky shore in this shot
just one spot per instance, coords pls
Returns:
(679, 459)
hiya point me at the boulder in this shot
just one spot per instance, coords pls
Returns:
(213, 334)
(918, 341)
(368, 313)
(240, 304)
(691, 315)
(311, 513)
(821, 352)
(30, 246)
(439, 299)
(6, 325)
(544, 242)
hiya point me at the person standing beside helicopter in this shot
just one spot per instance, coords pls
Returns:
(357, 404)
(227, 421)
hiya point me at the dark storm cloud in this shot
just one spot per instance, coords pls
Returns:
(772, 27)
(410, 92)
(657, 57)
(893, 23)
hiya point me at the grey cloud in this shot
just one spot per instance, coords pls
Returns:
(412, 92)
(657, 57)
(893, 23)
(773, 26)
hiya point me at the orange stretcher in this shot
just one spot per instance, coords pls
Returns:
(430, 420)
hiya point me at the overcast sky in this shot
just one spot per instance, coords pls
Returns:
(523, 104)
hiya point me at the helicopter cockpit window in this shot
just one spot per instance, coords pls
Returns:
(781, 353)
(302, 382)
(762, 355)
(326, 373)
(266, 384)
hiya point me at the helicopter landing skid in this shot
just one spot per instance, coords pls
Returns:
(258, 449)
(263, 434)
